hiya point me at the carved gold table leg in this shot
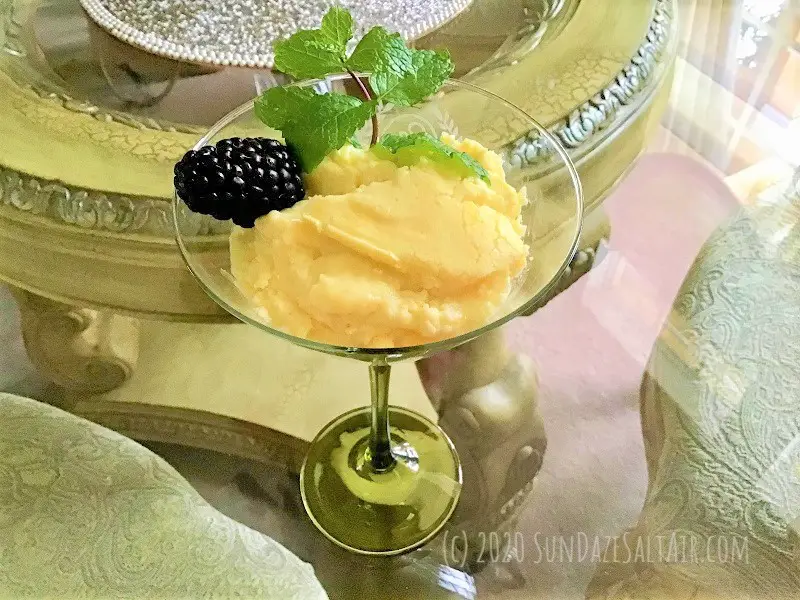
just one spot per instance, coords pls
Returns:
(486, 398)
(487, 401)
(79, 349)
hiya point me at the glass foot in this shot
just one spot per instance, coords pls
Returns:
(388, 512)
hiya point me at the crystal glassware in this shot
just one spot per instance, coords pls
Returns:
(383, 479)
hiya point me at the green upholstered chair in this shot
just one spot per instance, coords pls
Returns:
(720, 410)
(88, 513)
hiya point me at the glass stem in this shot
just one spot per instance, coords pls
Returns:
(380, 443)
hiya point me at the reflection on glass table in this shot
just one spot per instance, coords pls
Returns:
(92, 64)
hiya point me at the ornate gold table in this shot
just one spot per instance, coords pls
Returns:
(91, 127)
(90, 130)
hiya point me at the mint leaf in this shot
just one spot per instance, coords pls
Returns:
(314, 53)
(313, 124)
(381, 51)
(429, 70)
(336, 119)
(337, 28)
(306, 55)
(278, 106)
(408, 149)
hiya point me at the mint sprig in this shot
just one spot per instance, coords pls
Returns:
(409, 149)
(336, 117)
(317, 124)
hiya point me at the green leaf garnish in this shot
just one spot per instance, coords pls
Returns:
(429, 70)
(381, 52)
(336, 118)
(315, 53)
(409, 149)
(318, 124)
(337, 27)
(278, 106)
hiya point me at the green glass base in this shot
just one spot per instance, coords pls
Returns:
(384, 513)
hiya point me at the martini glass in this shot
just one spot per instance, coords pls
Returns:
(382, 479)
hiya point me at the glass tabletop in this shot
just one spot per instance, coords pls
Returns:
(590, 483)
(88, 63)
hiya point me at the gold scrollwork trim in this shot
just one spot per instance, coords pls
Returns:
(594, 116)
(9, 29)
(83, 208)
(89, 209)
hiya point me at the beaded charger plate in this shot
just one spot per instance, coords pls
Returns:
(242, 32)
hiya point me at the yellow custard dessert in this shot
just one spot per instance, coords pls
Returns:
(384, 256)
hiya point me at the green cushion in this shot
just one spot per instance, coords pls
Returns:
(721, 424)
(85, 512)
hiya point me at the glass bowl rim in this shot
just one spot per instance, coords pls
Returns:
(402, 351)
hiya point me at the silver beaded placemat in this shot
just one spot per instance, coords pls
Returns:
(241, 32)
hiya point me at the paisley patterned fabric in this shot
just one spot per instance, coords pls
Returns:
(88, 513)
(721, 421)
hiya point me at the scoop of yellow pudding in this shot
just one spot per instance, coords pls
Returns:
(384, 256)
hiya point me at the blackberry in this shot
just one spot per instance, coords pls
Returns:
(239, 179)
